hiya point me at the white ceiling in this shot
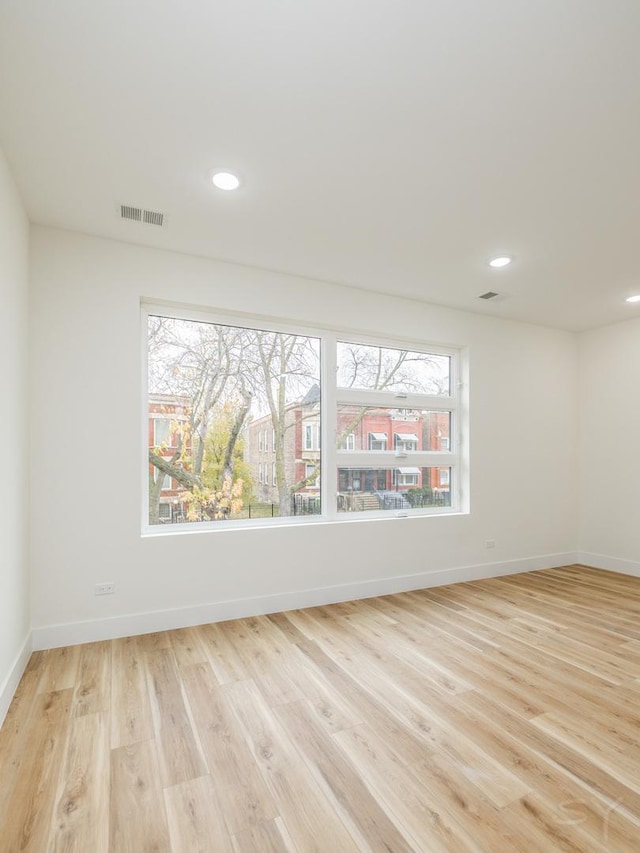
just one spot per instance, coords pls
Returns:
(394, 146)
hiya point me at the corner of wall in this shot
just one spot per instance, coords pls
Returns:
(16, 671)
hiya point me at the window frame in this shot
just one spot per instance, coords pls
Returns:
(398, 478)
(399, 439)
(374, 439)
(394, 457)
(157, 473)
(161, 418)
(314, 428)
(315, 483)
(349, 442)
(333, 458)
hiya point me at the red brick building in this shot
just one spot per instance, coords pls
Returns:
(166, 412)
(400, 430)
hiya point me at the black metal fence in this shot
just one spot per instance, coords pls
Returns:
(305, 505)
(302, 504)
(427, 499)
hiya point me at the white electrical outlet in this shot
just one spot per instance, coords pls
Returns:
(490, 543)
(105, 588)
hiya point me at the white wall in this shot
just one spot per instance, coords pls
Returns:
(609, 395)
(86, 427)
(14, 578)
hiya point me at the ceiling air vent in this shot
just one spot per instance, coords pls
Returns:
(139, 214)
(488, 295)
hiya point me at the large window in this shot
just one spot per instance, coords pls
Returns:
(399, 405)
(349, 426)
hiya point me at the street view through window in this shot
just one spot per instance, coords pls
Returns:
(235, 423)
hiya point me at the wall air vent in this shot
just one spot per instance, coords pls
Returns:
(152, 217)
(488, 295)
(139, 214)
(128, 212)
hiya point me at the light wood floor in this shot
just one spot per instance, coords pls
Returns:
(490, 716)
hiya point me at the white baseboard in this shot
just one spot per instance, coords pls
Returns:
(610, 564)
(10, 683)
(73, 633)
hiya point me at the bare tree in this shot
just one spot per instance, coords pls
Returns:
(214, 502)
(210, 366)
(287, 366)
(197, 364)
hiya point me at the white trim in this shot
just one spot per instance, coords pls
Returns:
(389, 458)
(345, 334)
(144, 421)
(72, 633)
(609, 564)
(390, 400)
(328, 420)
(12, 679)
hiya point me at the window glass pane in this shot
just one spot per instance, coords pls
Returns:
(402, 430)
(161, 432)
(166, 480)
(393, 489)
(399, 371)
(223, 392)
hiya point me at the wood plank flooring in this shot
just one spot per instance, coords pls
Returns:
(496, 715)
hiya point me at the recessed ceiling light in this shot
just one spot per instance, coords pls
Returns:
(633, 298)
(225, 181)
(502, 261)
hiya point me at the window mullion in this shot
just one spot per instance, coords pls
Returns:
(387, 399)
(389, 459)
(329, 425)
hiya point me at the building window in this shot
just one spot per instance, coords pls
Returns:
(241, 392)
(312, 471)
(348, 442)
(166, 480)
(406, 476)
(311, 439)
(377, 441)
(161, 432)
(371, 382)
(405, 441)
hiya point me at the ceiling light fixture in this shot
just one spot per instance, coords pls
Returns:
(633, 298)
(225, 181)
(502, 261)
